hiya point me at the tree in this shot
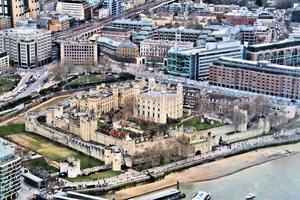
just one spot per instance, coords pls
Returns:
(259, 3)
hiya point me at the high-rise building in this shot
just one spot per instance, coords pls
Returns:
(194, 63)
(18, 9)
(27, 47)
(10, 171)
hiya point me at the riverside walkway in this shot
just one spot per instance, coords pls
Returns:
(133, 177)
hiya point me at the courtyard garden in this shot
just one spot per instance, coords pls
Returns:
(198, 123)
(86, 79)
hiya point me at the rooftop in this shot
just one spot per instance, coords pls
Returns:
(260, 66)
(288, 43)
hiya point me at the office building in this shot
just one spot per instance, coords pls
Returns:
(10, 171)
(241, 16)
(159, 104)
(26, 47)
(4, 62)
(110, 31)
(194, 63)
(80, 9)
(130, 24)
(157, 50)
(78, 52)
(18, 9)
(178, 34)
(114, 6)
(260, 77)
(284, 52)
(119, 49)
(253, 34)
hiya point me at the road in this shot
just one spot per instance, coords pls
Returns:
(94, 25)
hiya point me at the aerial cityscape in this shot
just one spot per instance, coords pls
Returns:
(149, 99)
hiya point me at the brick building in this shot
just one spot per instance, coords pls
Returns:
(260, 77)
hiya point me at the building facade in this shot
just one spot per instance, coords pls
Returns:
(79, 52)
(113, 6)
(284, 52)
(259, 77)
(130, 24)
(159, 104)
(157, 50)
(10, 171)
(26, 47)
(119, 49)
(4, 62)
(176, 34)
(194, 63)
(18, 9)
(80, 9)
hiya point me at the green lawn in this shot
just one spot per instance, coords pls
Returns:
(131, 133)
(196, 123)
(87, 79)
(8, 82)
(12, 129)
(95, 176)
(40, 162)
(45, 147)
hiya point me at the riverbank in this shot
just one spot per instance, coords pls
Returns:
(213, 170)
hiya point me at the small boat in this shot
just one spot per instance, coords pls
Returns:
(202, 196)
(250, 196)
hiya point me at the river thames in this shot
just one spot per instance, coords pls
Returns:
(274, 180)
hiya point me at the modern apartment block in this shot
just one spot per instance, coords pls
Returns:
(260, 77)
(80, 9)
(284, 52)
(10, 171)
(27, 47)
(194, 63)
(79, 52)
(157, 50)
(18, 9)
(4, 62)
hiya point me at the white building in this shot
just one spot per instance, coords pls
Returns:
(10, 171)
(79, 9)
(157, 50)
(4, 61)
(27, 47)
(103, 13)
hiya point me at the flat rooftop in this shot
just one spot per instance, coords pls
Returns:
(261, 66)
